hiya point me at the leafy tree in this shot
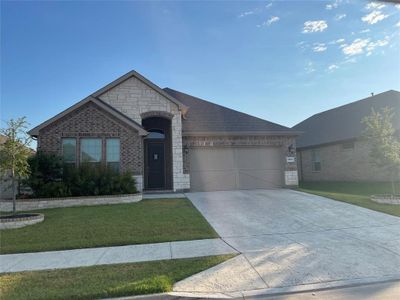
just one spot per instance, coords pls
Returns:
(384, 141)
(15, 152)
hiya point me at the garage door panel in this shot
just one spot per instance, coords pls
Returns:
(258, 158)
(212, 159)
(259, 179)
(213, 180)
(214, 169)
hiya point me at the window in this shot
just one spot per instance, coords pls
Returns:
(113, 153)
(348, 146)
(316, 160)
(91, 150)
(155, 134)
(69, 150)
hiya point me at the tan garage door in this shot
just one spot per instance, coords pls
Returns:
(219, 169)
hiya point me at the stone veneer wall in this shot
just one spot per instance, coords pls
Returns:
(134, 98)
(92, 121)
(284, 142)
(339, 164)
(44, 203)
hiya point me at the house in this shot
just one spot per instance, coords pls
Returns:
(332, 148)
(170, 140)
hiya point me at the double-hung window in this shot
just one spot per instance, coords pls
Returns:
(69, 150)
(316, 160)
(91, 150)
(113, 153)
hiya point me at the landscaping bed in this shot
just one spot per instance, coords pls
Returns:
(147, 221)
(357, 193)
(103, 281)
(20, 220)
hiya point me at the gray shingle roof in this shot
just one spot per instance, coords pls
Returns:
(344, 122)
(207, 117)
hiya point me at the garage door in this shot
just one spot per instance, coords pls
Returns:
(213, 169)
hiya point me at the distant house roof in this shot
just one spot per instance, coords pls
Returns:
(344, 122)
(206, 118)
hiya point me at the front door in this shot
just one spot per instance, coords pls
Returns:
(155, 165)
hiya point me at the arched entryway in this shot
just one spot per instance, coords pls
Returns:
(157, 154)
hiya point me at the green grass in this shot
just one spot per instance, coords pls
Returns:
(357, 193)
(148, 221)
(103, 281)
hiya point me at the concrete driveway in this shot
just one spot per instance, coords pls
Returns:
(292, 241)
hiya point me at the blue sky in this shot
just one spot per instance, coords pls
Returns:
(282, 60)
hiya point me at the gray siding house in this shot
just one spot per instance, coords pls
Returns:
(331, 147)
(170, 140)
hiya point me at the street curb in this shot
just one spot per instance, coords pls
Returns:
(270, 292)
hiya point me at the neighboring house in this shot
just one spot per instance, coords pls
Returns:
(170, 140)
(332, 147)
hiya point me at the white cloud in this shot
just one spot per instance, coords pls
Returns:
(268, 5)
(379, 43)
(365, 30)
(247, 13)
(360, 45)
(398, 24)
(356, 47)
(271, 20)
(309, 67)
(333, 5)
(374, 17)
(338, 41)
(333, 67)
(315, 26)
(339, 17)
(319, 47)
(374, 5)
(397, 6)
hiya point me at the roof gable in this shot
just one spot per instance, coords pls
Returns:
(344, 122)
(206, 118)
(98, 102)
(147, 82)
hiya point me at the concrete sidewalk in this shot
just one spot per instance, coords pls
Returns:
(112, 255)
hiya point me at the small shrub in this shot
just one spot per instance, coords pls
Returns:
(51, 178)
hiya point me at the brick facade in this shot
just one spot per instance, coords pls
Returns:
(137, 100)
(341, 164)
(90, 120)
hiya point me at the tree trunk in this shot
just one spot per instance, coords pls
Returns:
(14, 196)
(393, 185)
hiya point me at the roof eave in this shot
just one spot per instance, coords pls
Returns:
(242, 133)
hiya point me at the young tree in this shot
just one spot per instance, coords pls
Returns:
(14, 152)
(384, 142)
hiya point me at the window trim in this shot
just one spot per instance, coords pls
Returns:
(156, 130)
(315, 153)
(76, 149)
(81, 161)
(106, 161)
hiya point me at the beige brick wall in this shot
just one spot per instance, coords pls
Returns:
(339, 164)
(133, 98)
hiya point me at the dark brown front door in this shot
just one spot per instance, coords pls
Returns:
(155, 165)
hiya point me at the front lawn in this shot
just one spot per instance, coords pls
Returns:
(357, 193)
(103, 281)
(148, 221)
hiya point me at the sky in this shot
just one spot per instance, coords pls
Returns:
(282, 61)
